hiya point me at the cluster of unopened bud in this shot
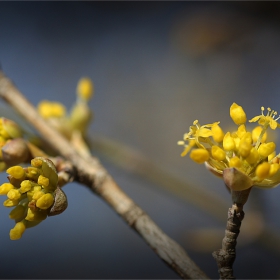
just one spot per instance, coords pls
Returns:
(78, 118)
(32, 191)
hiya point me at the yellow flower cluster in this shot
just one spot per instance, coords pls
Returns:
(31, 191)
(78, 118)
(244, 150)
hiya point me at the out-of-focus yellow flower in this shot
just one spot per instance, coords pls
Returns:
(48, 109)
(77, 119)
(246, 151)
(85, 88)
(32, 190)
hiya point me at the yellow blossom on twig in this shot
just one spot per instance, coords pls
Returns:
(32, 190)
(246, 151)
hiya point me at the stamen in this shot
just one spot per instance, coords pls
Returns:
(268, 112)
(262, 109)
(195, 122)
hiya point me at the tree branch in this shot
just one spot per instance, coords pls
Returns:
(91, 173)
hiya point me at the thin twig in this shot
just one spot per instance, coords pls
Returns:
(225, 257)
(91, 173)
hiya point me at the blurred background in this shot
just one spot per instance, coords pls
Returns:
(156, 66)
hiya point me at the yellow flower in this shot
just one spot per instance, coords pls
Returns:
(32, 190)
(237, 114)
(269, 119)
(77, 119)
(255, 160)
(48, 109)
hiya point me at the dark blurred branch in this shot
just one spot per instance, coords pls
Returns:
(134, 161)
(92, 174)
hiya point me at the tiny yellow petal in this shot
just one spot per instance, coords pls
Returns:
(199, 155)
(205, 132)
(273, 124)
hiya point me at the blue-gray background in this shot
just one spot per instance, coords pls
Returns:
(156, 66)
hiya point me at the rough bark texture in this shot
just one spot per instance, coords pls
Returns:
(225, 257)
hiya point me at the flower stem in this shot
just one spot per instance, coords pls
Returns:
(225, 257)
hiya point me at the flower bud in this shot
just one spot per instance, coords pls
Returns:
(45, 201)
(14, 194)
(245, 145)
(274, 167)
(15, 152)
(17, 231)
(85, 88)
(228, 142)
(253, 157)
(235, 162)
(218, 153)
(262, 170)
(5, 188)
(237, 114)
(11, 128)
(266, 149)
(218, 133)
(17, 172)
(199, 155)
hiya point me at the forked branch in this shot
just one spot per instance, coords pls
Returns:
(91, 173)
